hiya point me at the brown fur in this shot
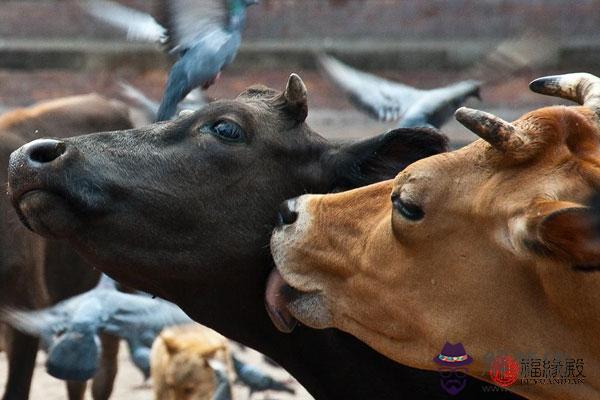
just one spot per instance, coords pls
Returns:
(34, 272)
(492, 264)
(179, 362)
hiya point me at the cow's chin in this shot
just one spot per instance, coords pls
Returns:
(47, 214)
(287, 305)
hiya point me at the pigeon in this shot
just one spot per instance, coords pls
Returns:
(393, 101)
(205, 34)
(256, 380)
(223, 389)
(195, 100)
(386, 100)
(69, 330)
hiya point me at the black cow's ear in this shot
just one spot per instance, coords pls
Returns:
(296, 98)
(383, 156)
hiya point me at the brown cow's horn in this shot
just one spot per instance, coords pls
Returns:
(580, 87)
(500, 134)
(296, 97)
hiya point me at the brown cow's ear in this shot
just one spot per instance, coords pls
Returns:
(383, 156)
(570, 232)
(296, 98)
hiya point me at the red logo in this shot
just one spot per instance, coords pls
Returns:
(504, 371)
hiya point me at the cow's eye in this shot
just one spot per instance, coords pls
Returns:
(408, 210)
(229, 131)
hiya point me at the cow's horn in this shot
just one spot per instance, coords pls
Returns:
(296, 97)
(500, 134)
(580, 87)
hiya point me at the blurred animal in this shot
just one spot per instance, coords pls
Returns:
(394, 101)
(387, 100)
(223, 390)
(258, 381)
(34, 272)
(205, 34)
(70, 330)
(190, 362)
(195, 100)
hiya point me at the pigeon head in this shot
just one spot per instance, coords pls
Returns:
(74, 356)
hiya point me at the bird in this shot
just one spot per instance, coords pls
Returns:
(394, 101)
(223, 389)
(258, 381)
(195, 100)
(387, 100)
(204, 34)
(69, 330)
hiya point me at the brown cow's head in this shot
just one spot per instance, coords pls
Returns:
(483, 246)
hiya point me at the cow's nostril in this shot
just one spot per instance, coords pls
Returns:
(45, 150)
(286, 215)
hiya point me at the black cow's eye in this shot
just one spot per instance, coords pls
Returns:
(229, 131)
(407, 210)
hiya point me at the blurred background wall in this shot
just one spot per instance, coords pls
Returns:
(399, 34)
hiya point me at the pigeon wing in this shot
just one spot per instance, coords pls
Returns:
(132, 314)
(137, 24)
(382, 99)
(434, 107)
(44, 324)
(188, 21)
(529, 50)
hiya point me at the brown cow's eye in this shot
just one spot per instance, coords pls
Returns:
(408, 210)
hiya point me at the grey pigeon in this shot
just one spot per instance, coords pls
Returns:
(69, 330)
(258, 381)
(195, 100)
(223, 389)
(205, 34)
(393, 101)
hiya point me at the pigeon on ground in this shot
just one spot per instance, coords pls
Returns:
(223, 389)
(69, 331)
(258, 381)
(205, 34)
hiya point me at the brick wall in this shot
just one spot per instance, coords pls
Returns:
(290, 20)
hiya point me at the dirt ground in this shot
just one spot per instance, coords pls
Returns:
(130, 384)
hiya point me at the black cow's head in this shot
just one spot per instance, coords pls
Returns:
(194, 200)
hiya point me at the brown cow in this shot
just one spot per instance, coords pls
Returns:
(35, 272)
(484, 246)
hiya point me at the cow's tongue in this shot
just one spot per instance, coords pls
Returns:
(276, 303)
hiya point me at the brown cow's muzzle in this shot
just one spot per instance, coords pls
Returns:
(290, 298)
(278, 293)
(35, 171)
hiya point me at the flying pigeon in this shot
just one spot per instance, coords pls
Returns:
(386, 100)
(393, 101)
(69, 330)
(205, 34)
(195, 100)
(256, 380)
